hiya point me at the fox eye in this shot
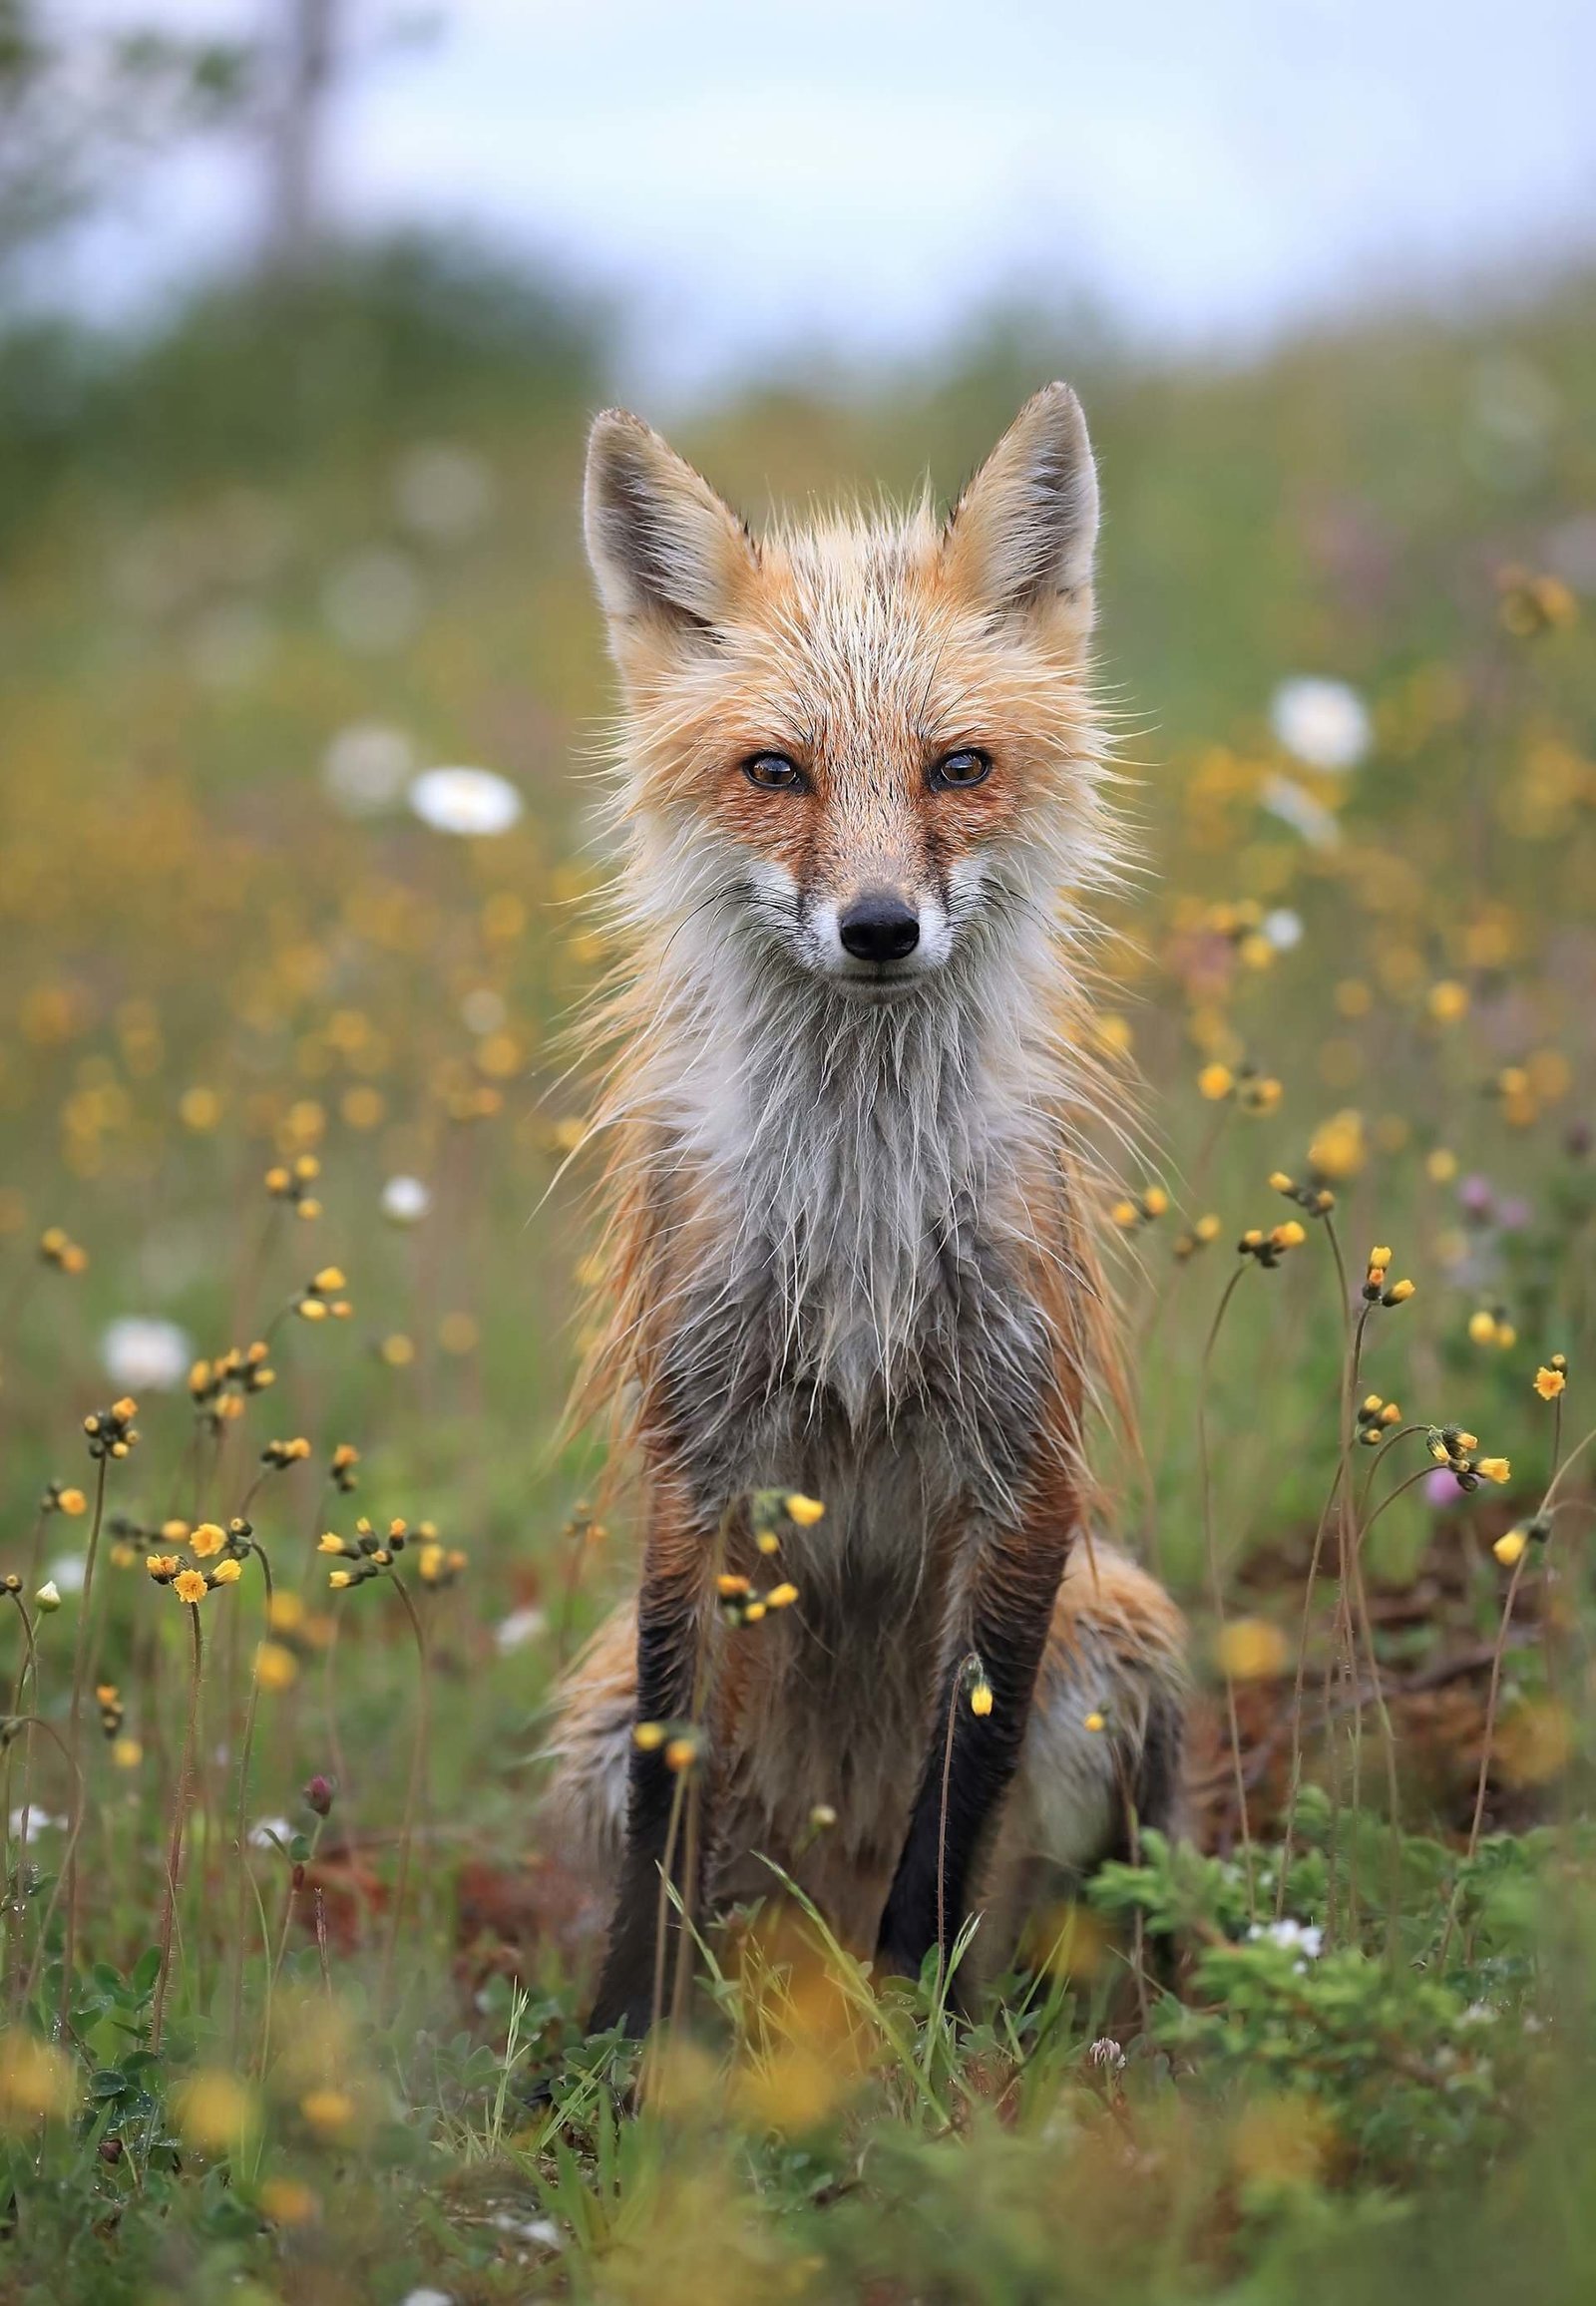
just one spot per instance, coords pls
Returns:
(773, 773)
(958, 771)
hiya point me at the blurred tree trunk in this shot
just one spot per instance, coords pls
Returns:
(308, 49)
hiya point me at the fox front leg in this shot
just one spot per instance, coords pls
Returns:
(961, 1787)
(671, 1609)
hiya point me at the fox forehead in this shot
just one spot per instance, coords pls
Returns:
(854, 649)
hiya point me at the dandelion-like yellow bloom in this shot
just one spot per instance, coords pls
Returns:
(227, 1572)
(213, 2110)
(1094, 1722)
(805, 1511)
(1509, 1547)
(190, 1586)
(1400, 1292)
(781, 1597)
(649, 1736)
(36, 2082)
(1447, 1001)
(276, 1668)
(329, 1542)
(328, 2112)
(1482, 1328)
(208, 1538)
(1123, 1214)
(287, 2203)
(1494, 1469)
(680, 1754)
(1550, 1380)
(981, 1698)
(338, 1579)
(71, 1501)
(1250, 1650)
(1215, 1082)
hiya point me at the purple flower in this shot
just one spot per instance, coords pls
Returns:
(1512, 1216)
(1442, 1488)
(1475, 1198)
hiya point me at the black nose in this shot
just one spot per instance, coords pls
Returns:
(878, 927)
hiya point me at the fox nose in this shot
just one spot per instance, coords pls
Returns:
(879, 925)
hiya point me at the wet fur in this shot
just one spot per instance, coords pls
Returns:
(849, 1224)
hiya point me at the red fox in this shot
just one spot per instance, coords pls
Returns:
(850, 1213)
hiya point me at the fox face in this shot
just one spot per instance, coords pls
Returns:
(864, 749)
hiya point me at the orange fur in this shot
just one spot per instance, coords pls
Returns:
(850, 1195)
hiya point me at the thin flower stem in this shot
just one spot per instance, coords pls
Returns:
(274, 1970)
(663, 1911)
(27, 1668)
(80, 1661)
(942, 1817)
(1217, 1587)
(1546, 1511)
(180, 1806)
(245, 1750)
(418, 1757)
(704, 1666)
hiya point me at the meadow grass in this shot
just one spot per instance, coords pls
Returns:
(292, 1245)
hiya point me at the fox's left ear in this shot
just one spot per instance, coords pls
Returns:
(1022, 535)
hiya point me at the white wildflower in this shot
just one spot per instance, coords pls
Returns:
(406, 1200)
(1304, 1938)
(470, 802)
(1324, 723)
(39, 1822)
(143, 1355)
(521, 1626)
(1295, 806)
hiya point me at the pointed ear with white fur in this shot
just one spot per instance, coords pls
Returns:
(1022, 534)
(667, 556)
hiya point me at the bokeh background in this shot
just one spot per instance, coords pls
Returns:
(304, 307)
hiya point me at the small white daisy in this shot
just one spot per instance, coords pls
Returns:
(474, 803)
(405, 1200)
(1324, 723)
(144, 1356)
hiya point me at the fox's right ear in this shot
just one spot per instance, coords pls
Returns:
(665, 552)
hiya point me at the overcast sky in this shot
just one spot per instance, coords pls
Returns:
(859, 177)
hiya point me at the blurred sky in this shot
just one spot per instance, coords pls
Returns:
(766, 183)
